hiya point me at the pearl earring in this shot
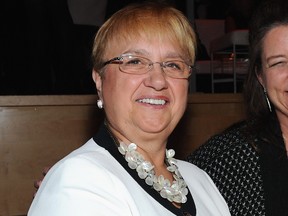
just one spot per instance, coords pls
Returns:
(100, 104)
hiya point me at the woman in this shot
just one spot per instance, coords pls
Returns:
(142, 57)
(248, 162)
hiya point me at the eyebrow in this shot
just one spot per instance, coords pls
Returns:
(275, 56)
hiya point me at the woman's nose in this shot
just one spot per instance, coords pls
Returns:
(156, 77)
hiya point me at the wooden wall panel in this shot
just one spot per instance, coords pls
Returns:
(206, 115)
(36, 131)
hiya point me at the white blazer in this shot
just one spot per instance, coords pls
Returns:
(91, 182)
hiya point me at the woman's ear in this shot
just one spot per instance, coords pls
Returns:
(260, 78)
(98, 81)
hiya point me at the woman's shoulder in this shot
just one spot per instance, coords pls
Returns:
(88, 166)
(191, 172)
(187, 167)
(231, 141)
(206, 196)
(85, 176)
(88, 159)
(234, 132)
(195, 177)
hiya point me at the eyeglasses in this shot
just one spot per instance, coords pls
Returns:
(137, 65)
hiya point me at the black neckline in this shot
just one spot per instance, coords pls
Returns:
(103, 139)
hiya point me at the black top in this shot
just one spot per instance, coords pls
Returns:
(104, 139)
(250, 172)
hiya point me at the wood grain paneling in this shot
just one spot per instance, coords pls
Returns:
(206, 115)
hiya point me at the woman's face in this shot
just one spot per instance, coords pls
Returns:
(275, 68)
(131, 117)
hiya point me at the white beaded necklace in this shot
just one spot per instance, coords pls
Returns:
(176, 192)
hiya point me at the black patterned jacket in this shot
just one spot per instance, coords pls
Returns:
(250, 172)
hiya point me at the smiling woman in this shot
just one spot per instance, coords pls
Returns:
(142, 57)
(249, 161)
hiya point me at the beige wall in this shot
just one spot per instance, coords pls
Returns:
(36, 131)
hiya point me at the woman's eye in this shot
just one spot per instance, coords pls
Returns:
(134, 61)
(278, 64)
(173, 65)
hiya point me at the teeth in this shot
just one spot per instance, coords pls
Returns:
(153, 101)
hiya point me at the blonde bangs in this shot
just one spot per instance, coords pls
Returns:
(132, 24)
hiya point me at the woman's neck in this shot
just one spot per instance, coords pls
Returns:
(153, 150)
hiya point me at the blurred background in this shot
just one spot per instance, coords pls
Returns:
(45, 45)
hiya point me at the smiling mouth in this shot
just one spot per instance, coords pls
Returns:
(152, 101)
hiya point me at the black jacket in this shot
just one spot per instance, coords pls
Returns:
(249, 167)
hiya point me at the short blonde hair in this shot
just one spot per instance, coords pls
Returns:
(147, 20)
